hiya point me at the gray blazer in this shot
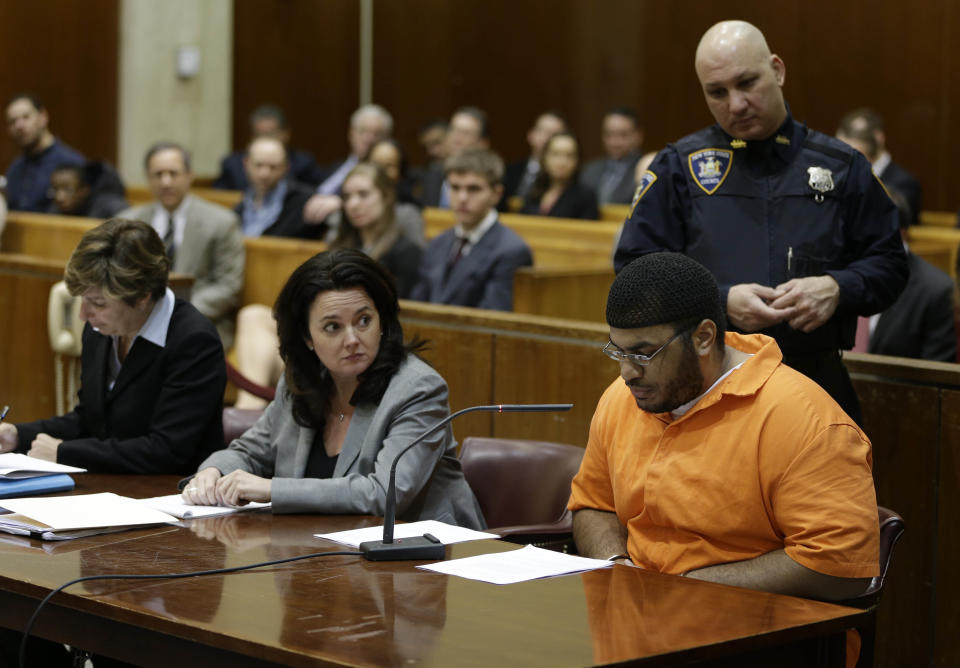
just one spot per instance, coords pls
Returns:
(430, 483)
(212, 252)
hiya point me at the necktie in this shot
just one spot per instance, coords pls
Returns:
(456, 252)
(168, 241)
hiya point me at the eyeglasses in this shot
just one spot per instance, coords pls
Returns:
(618, 355)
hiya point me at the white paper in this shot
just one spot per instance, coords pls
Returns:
(18, 465)
(173, 504)
(85, 511)
(527, 563)
(445, 533)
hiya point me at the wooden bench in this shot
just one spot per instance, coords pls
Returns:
(141, 194)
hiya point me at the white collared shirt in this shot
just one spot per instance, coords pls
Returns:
(474, 237)
(881, 163)
(154, 330)
(161, 218)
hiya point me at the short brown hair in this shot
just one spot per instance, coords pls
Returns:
(124, 258)
(480, 161)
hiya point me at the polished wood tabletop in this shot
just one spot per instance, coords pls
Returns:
(343, 610)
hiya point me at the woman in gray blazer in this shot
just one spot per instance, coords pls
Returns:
(351, 398)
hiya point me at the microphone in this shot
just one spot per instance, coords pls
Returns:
(428, 546)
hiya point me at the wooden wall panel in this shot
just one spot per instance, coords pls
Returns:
(905, 461)
(947, 612)
(66, 53)
(302, 55)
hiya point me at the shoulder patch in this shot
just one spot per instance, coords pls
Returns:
(646, 181)
(709, 167)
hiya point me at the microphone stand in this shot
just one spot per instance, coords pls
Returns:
(428, 546)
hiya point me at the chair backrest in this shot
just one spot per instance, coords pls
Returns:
(519, 482)
(238, 420)
(891, 528)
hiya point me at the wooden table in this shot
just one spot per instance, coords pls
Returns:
(343, 610)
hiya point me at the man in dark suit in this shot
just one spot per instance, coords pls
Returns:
(612, 177)
(273, 204)
(473, 263)
(920, 324)
(519, 176)
(268, 120)
(863, 130)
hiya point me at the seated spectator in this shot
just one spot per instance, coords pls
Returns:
(93, 190)
(468, 130)
(710, 458)
(518, 177)
(152, 367)
(28, 178)
(273, 205)
(472, 264)
(202, 239)
(556, 191)
(368, 125)
(352, 397)
(863, 130)
(920, 324)
(611, 177)
(369, 225)
(433, 139)
(268, 120)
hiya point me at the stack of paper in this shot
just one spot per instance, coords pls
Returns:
(65, 517)
(21, 475)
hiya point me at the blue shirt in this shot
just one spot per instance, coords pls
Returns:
(28, 179)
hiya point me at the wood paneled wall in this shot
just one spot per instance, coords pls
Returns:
(516, 59)
(65, 52)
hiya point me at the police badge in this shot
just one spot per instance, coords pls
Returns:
(821, 180)
(709, 167)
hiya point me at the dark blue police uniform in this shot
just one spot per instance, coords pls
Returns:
(797, 204)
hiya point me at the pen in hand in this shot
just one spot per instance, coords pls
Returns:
(3, 413)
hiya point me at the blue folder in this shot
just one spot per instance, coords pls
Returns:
(44, 484)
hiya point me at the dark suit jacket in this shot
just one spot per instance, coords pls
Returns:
(431, 185)
(303, 168)
(403, 262)
(895, 177)
(483, 278)
(623, 194)
(164, 413)
(290, 221)
(920, 323)
(574, 202)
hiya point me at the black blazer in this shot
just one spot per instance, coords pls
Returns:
(895, 177)
(920, 323)
(576, 201)
(164, 413)
(290, 221)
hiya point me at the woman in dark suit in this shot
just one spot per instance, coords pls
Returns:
(351, 398)
(557, 192)
(152, 367)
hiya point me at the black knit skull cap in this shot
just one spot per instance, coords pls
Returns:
(662, 288)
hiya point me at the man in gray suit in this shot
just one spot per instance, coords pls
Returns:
(202, 238)
(472, 264)
(611, 177)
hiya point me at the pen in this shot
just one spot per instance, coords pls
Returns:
(3, 413)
